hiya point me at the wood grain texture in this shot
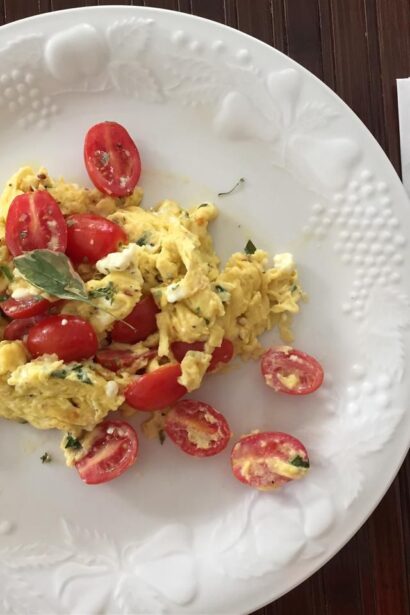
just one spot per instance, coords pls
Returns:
(359, 48)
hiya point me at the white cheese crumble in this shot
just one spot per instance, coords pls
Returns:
(175, 292)
(111, 388)
(117, 261)
(22, 293)
(284, 261)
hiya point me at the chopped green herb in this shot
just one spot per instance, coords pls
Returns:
(3, 298)
(250, 248)
(72, 442)
(82, 376)
(161, 436)
(53, 273)
(198, 311)
(46, 458)
(159, 279)
(236, 186)
(6, 272)
(299, 462)
(203, 205)
(142, 241)
(219, 288)
(293, 288)
(207, 321)
(59, 373)
(107, 292)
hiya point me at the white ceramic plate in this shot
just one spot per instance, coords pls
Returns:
(209, 105)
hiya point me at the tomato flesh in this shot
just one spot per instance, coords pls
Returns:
(91, 237)
(221, 354)
(197, 428)
(142, 320)
(114, 449)
(32, 305)
(156, 390)
(268, 460)
(69, 337)
(291, 371)
(18, 329)
(116, 360)
(112, 159)
(35, 221)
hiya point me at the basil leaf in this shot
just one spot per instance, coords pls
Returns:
(250, 248)
(51, 272)
(299, 462)
(6, 272)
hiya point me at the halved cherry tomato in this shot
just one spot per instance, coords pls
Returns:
(222, 354)
(32, 305)
(114, 449)
(34, 221)
(268, 460)
(142, 320)
(197, 428)
(115, 360)
(91, 237)
(287, 370)
(69, 337)
(18, 329)
(112, 159)
(157, 389)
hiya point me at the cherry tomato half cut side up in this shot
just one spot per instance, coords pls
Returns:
(142, 320)
(197, 428)
(222, 354)
(34, 222)
(18, 329)
(32, 305)
(268, 460)
(112, 159)
(156, 390)
(287, 370)
(114, 449)
(69, 337)
(91, 237)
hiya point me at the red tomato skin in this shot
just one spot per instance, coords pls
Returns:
(222, 354)
(72, 341)
(123, 442)
(116, 359)
(156, 390)
(25, 308)
(200, 417)
(250, 454)
(305, 366)
(34, 221)
(91, 237)
(112, 159)
(142, 319)
(18, 329)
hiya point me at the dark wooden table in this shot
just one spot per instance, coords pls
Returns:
(359, 48)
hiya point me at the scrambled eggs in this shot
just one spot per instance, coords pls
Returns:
(171, 255)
